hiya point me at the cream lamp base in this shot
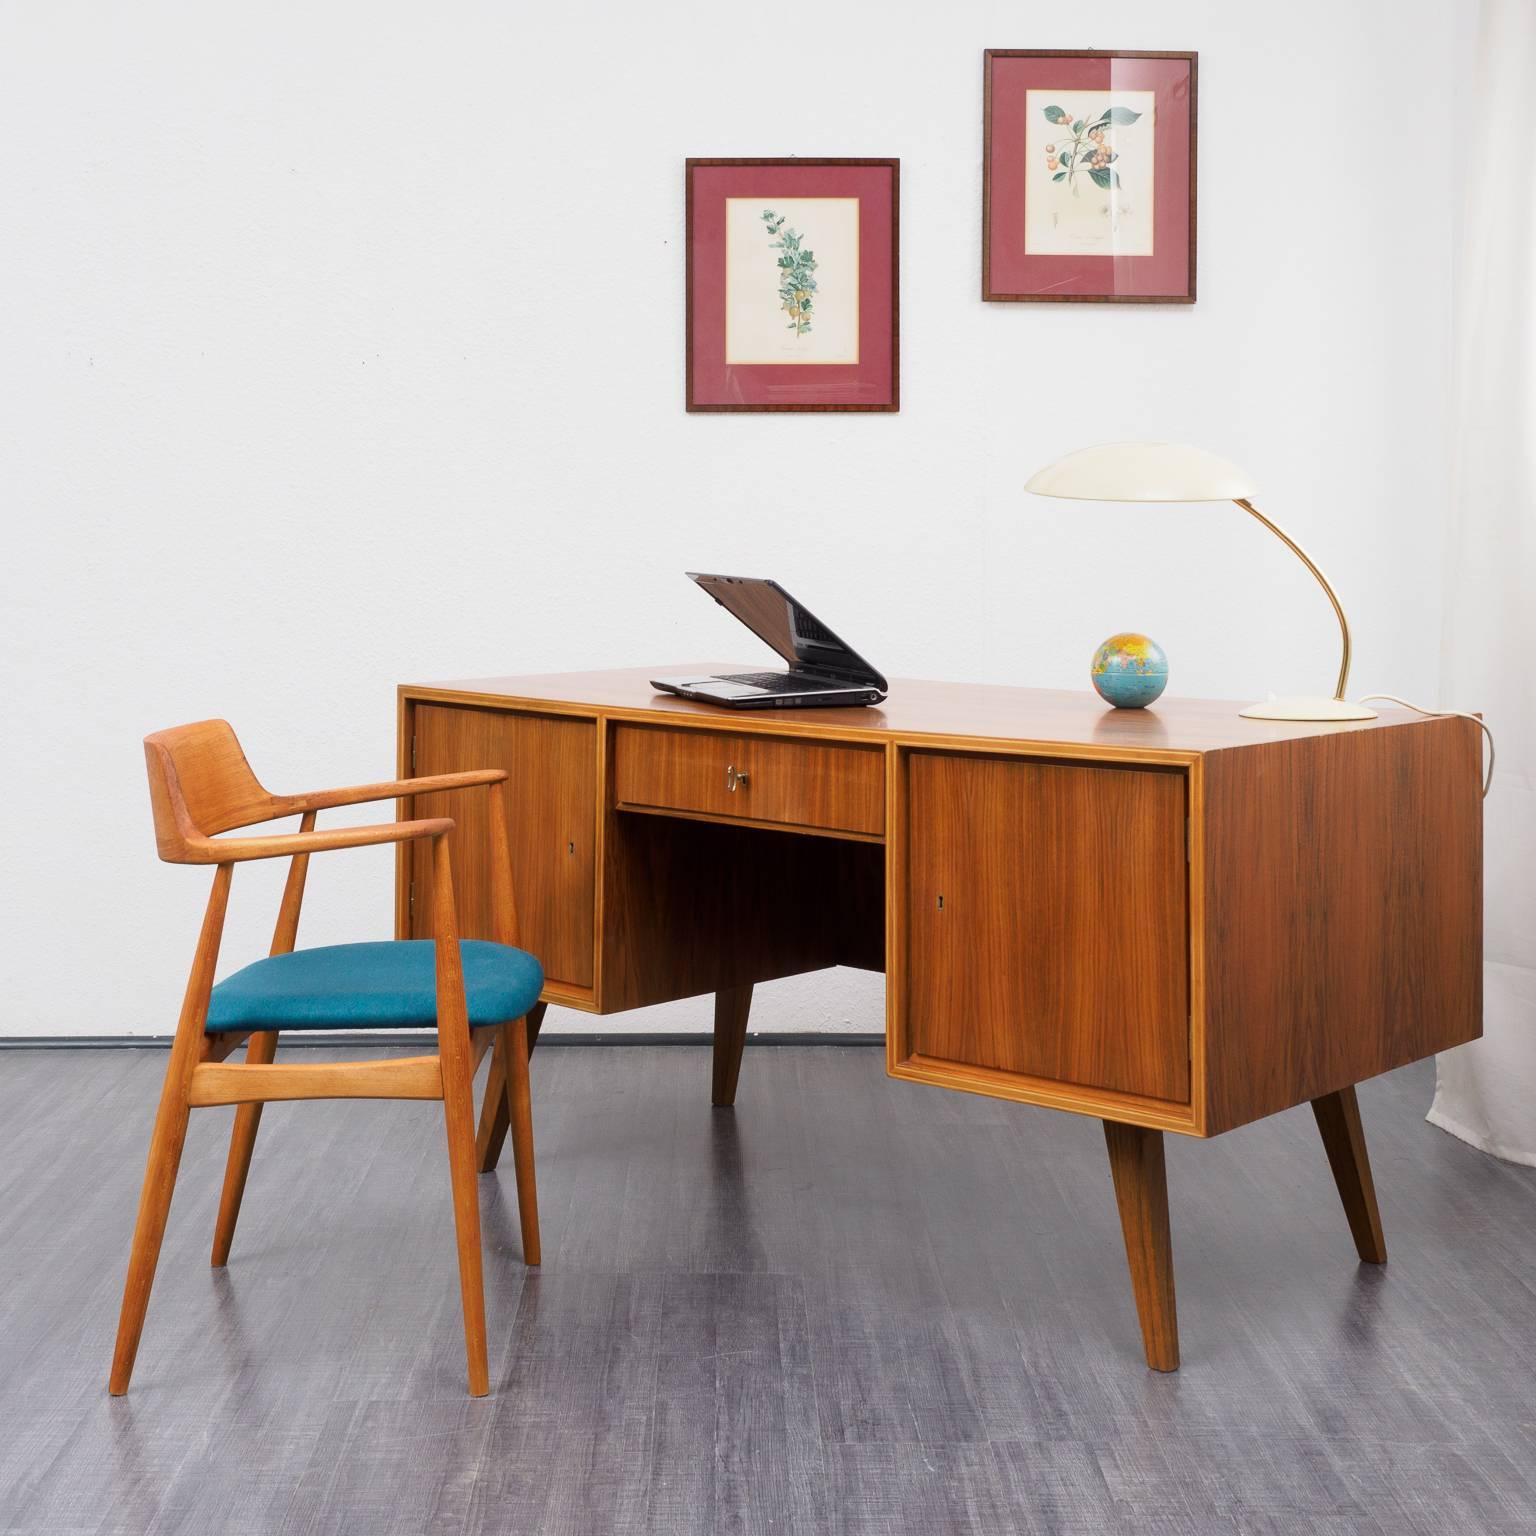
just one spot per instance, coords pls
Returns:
(1307, 709)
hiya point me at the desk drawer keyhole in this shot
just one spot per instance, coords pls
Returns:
(733, 779)
(941, 903)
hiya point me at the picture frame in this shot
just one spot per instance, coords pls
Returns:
(793, 284)
(1088, 176)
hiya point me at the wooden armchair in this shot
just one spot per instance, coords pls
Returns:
(474, 993)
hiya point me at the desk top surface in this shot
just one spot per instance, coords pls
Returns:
(967, 711)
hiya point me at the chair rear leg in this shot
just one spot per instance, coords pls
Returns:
(493, 1114)
(165, 1144)
(519, 1111)
(459, 1119)
(242, 1142)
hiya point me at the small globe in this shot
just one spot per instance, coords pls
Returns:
(1129, 671)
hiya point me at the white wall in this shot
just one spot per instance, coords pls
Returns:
(341, 344)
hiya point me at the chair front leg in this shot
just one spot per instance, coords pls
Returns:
(457, 1063)
(168, 1138)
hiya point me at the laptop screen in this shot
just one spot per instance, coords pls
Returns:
(789, 627)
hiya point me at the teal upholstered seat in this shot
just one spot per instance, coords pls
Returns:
(372, 986)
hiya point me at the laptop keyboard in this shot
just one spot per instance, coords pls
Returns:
(778, 682)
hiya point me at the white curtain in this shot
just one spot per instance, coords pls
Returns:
(1486, 1091)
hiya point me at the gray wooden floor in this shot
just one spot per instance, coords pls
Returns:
(851, 1305)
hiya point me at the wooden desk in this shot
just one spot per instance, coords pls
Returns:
(1172, 920)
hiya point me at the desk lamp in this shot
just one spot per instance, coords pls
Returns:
(1175, 472)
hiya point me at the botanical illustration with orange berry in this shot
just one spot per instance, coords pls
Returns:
(1088, 176)
(1086, 147)
(1090, 161)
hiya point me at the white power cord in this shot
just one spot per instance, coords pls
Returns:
(1461, 714)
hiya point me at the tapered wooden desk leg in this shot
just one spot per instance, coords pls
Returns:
(1141, 1189)
(493, 1112)
(242, 1142)
(1338, 1118)
(731, 1009)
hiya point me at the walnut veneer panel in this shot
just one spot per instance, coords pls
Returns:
(551, 765)
(807, 784)
(1343, 899)
(1074, 721)
(1047, 930)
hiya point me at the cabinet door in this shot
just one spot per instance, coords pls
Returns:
(551, 789)
(1047, 921)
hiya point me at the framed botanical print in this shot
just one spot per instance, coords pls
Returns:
(792, 285)
(1088, 177)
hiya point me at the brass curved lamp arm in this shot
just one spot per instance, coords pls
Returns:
(1322, 581)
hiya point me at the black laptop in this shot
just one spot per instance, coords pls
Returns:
(822, 669)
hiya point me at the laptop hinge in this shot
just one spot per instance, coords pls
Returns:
(832, 675)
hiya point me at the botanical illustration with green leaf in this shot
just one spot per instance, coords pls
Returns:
(1086, 146)
(797, 273)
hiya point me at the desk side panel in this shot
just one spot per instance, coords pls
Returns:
(1342, 880)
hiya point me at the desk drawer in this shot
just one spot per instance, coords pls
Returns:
(817, 786)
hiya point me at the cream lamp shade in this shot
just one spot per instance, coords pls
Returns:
(1141, 472)
(1177, 472)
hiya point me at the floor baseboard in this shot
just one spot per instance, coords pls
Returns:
(315, 1041)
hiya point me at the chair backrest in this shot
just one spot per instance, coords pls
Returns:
(200, 785)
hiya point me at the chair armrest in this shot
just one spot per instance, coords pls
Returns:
(395, 789)
(237, 850)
